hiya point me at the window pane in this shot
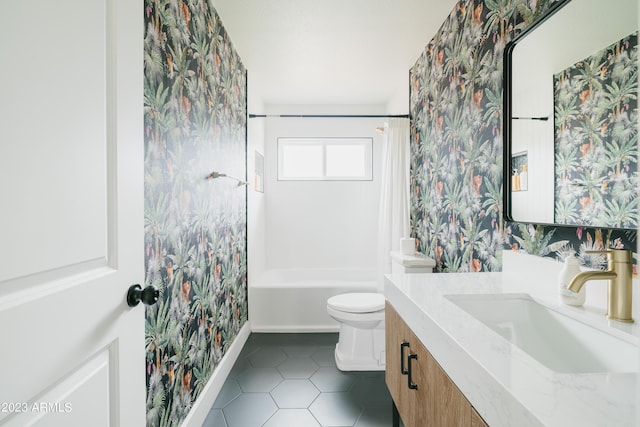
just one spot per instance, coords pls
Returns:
(346, 160)
(325, 159)
(301, 161)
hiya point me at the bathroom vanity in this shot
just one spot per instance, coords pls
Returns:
(423, 393)
(499, 349)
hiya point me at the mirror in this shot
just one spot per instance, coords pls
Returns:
(571, 117)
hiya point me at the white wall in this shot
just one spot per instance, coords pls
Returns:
(330, 224)
(399, 102)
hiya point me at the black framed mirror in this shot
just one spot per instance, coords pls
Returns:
(571, 117)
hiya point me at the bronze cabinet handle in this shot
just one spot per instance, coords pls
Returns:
(403, 370)
(412, 385)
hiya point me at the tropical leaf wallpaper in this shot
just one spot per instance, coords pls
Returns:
(195, 228)
(596, 138)
(456, 109)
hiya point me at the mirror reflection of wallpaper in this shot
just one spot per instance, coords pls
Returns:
(456, 90)
(596, 138)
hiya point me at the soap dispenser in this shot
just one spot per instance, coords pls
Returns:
(570, 269)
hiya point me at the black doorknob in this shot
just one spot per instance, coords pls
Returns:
(148, 295)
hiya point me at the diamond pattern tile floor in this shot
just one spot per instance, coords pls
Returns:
(291, 380)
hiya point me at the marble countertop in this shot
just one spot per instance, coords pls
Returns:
(505, 385)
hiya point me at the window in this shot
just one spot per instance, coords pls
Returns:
(325, 159)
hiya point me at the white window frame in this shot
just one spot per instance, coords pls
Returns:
(365, 142)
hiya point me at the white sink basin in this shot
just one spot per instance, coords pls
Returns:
(559, 342)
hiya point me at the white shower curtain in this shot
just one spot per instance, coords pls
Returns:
(394, 199)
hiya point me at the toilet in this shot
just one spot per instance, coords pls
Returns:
(360, 344)
(361, 339)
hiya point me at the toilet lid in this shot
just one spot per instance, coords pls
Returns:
(358, 302)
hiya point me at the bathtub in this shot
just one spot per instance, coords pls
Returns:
(294, 300)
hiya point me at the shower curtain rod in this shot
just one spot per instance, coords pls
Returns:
(332, 116)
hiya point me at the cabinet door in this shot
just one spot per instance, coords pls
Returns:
(398, 340)
(451, 407)
(412, 403)
(424, 412)
(394, 329)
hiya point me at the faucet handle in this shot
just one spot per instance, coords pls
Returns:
(615, 255)
(606, 252)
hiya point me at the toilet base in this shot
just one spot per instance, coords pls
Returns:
(360, 349)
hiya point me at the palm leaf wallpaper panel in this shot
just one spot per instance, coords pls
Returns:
(596, 138)
(456, 109)
(195, 229)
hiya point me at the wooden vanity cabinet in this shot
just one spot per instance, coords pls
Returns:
(421, 390)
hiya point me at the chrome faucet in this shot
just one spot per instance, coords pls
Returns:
(619, 274)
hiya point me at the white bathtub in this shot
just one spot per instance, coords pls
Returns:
(294, 300)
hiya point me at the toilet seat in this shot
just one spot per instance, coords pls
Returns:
(357, 302)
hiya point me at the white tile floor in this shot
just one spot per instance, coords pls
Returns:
(291, 380)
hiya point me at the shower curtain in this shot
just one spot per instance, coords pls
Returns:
(394, 199)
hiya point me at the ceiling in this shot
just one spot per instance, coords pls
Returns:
(330, 52)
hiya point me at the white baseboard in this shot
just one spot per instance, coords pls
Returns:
(205, 401)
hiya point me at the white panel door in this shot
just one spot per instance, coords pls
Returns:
(71, 213)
